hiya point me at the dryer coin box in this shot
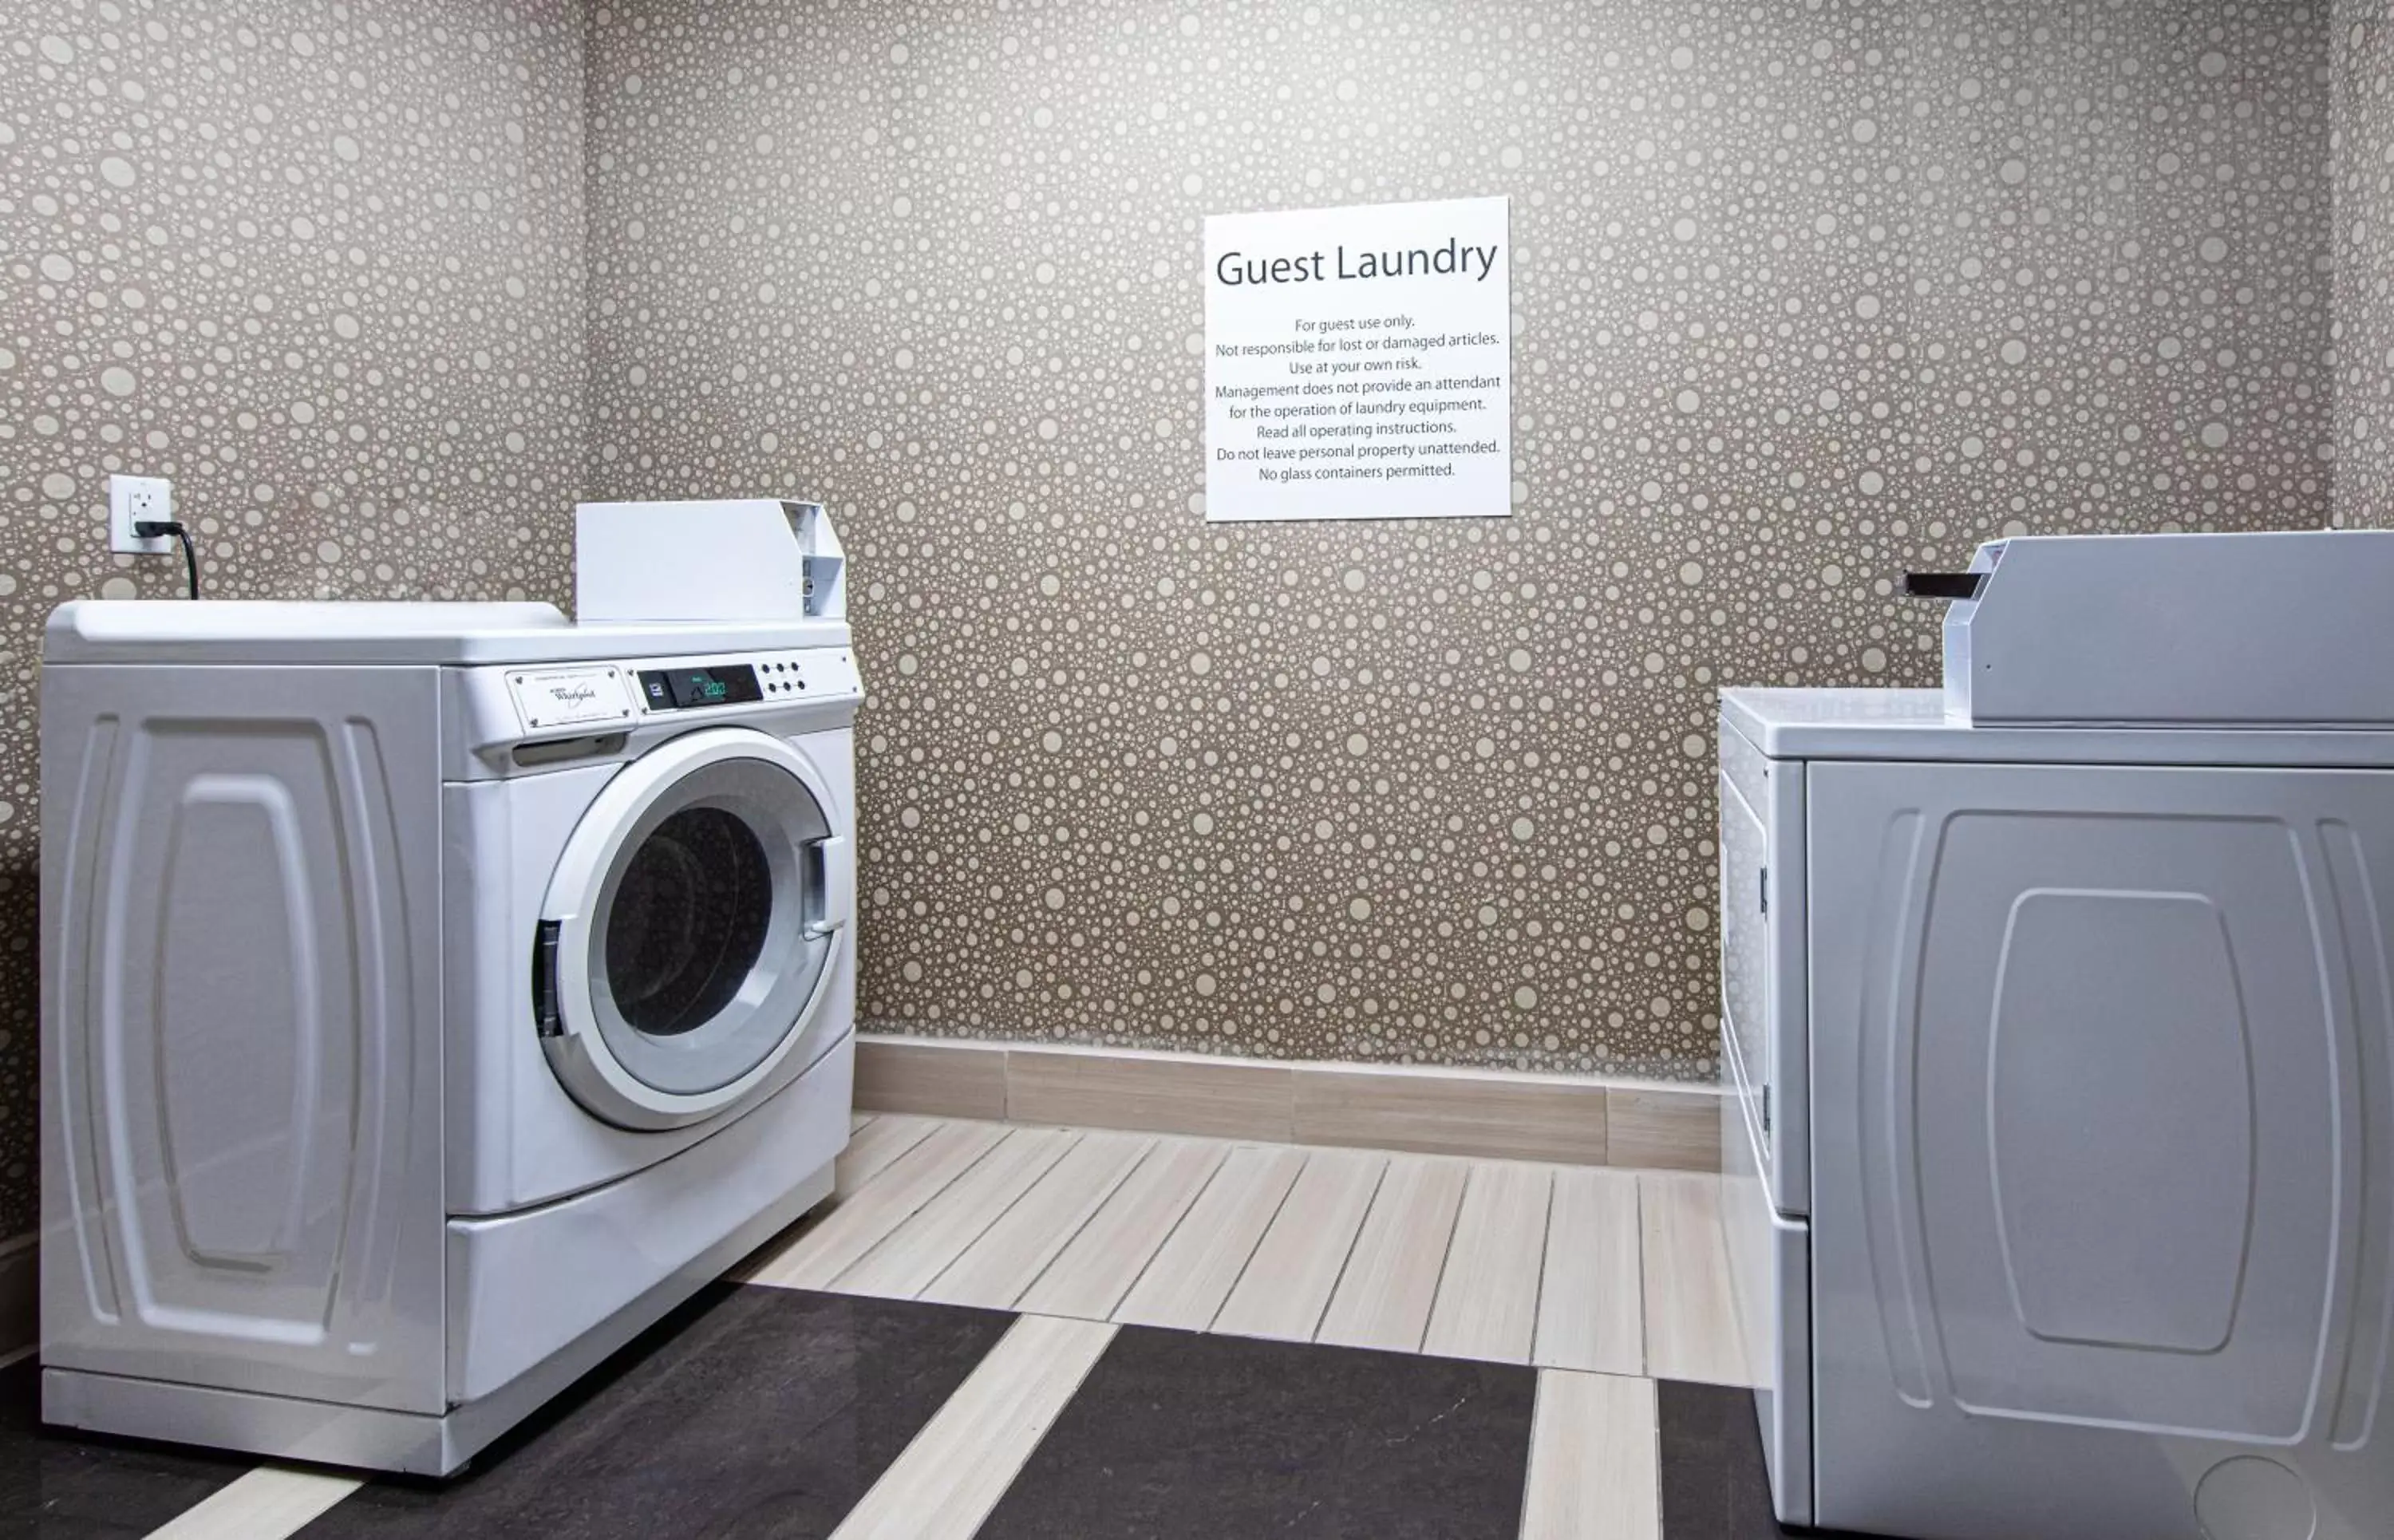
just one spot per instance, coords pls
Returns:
(2171, 630)
(738, 559)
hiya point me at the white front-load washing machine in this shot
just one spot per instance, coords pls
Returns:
(434, 996)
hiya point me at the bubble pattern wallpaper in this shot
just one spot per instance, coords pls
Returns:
(317, 263)
(1806, 294)
(2364, 159)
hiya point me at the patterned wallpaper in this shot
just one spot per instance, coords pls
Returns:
(1807, 292)
(2364, 274)
(321, 264)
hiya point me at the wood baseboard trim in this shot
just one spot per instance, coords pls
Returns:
(1488, 1114)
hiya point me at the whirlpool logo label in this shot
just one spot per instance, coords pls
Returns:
(569, 698)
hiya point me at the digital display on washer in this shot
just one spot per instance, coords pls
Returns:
(681, 688)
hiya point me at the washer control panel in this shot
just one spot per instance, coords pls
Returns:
(773, 678)
(686, 689)
(510, 718)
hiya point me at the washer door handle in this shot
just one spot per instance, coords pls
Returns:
(546, 1020)
(834, 884)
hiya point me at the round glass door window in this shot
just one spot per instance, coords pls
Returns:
(689, 921)
(686, 937)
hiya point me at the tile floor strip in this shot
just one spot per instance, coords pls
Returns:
(1488, 1300)
(1590, 1305)
(1593, 1473)
(1186, 1284)
(749, 1412)
(834, 1243)
(919, 1250)
(1012, 1252)
(1288, 1281)
(1178, 1436)
(1384, 1297)
(962, 1462)
(1691, 1331)
(268, 1503)
(1089, 1279)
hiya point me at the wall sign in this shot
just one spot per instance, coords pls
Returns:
(1359, 362)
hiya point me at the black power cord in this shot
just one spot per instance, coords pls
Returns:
(152, 528)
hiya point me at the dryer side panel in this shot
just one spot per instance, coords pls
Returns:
(2103, 1188)
(241, 1043)
(1764, 995)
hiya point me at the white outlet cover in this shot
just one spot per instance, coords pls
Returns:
(131, 498)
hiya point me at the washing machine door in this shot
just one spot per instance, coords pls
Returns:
(690, 928)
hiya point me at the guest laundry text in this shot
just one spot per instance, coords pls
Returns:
(1237, 270)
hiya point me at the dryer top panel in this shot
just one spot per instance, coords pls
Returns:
(2265, 629)
(1914, 724)
(244, 631)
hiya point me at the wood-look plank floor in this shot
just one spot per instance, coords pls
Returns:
(1012, 1253)
(1185, 1282)
(1598, 1277)
(1569, 1268)
(1392, 1275)
(1691, 1331)
(1285, 1285)
(905, 1262)
(1097, 1268)
(1588, 1317)
(960, 1465)
(1488, 1301)
(267, 1503)
(1594, 1471)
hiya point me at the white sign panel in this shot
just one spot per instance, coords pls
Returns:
(1359, 362)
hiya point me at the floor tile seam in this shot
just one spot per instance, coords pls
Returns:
(831, 1284)
(1165, 1244)
(1261, 1236)
(1088, 1217)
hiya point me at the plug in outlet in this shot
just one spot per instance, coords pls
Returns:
(132, 499)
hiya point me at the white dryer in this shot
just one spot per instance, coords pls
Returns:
(434, 996)
(2059, 1015)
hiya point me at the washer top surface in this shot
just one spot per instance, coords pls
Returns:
(257, 631)
(1912, 724)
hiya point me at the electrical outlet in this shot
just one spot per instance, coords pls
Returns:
(132, 499)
